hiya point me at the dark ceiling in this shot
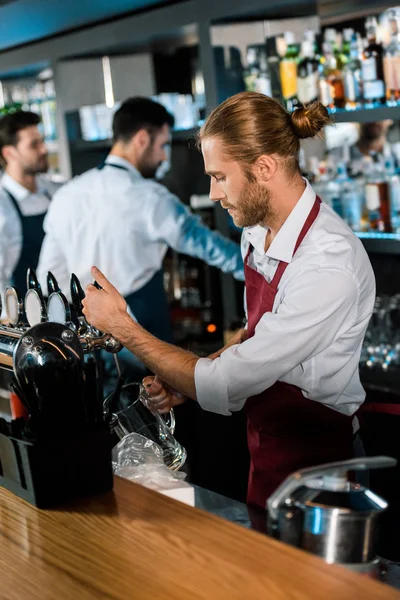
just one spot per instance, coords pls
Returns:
(26, 21)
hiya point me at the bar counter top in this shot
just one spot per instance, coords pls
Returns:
(135, 543)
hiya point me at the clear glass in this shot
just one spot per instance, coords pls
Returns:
(141, 417)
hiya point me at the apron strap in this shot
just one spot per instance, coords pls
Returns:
(305, 229)
(103, 164)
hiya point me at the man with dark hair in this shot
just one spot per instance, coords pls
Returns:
(24, 197)
(117, 216)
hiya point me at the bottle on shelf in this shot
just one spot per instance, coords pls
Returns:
(257, 78)
(288, 72)
(273, 62)
(391, 60)
(250, 74)
(351, 196)
(352, 75)
(347, 41)
(307, 74)
(372, 66)
(331, 85)
(377, 198)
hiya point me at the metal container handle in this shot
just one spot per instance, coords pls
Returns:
(295, 480)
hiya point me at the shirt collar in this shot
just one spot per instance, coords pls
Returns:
(16, 189)
(282, 246)
(117, 160)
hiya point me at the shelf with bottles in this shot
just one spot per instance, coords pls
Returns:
(36, 95)
(364, 190)
(355, 73)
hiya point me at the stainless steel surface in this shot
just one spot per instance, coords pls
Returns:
(318, 510)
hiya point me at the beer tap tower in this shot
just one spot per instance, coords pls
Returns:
(61, 447)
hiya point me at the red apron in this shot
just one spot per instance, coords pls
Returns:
(285, 430)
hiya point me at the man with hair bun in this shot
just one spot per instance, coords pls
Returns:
(310, 293)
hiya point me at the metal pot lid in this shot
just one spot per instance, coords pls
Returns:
(355, 499)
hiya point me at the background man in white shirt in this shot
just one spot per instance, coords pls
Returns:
(310, 293)
(118, 217)
(24, 197)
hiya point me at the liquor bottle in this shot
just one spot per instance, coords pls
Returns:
(391, 60)
(347, 40)
(352, 75)
(307, 74)
(288, 72)
(331, 85)
(372, 66)
(273, 62)
(250, 74)
(377, 199)
(257, 77)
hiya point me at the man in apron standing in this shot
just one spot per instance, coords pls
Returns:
(24, 197)
(310, 293)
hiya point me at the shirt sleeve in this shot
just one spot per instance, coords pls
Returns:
(315, 310)
(172, 222)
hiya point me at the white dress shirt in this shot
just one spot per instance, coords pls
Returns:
(313, 337)
(123, 223)
(10, 223)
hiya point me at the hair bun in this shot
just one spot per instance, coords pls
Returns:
(308, 121)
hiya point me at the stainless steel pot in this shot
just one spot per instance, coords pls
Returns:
(319, 510)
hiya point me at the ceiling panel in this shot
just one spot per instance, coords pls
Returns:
(25, 21)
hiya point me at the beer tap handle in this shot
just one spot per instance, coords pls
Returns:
(77, 295)
(52, 284)
(32, 282)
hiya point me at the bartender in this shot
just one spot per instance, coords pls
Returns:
(24, 197)
(310, 293)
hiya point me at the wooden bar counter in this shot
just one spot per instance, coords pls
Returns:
(135, 543)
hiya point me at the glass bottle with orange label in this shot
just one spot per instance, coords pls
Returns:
(331, 86)
(288, 72)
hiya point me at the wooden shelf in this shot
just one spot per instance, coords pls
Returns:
(183, 135)
(380, 243)
(367, 115)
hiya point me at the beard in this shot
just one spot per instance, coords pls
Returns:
(40, 166)
(146, 166)
(253, 206)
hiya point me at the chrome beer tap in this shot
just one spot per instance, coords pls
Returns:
(90, 338)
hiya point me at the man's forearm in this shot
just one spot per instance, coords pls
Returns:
(173, 365)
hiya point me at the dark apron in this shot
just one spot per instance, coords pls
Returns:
(32, 239)
(285, 430)
(149, 303)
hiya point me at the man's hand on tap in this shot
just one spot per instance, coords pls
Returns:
(103, 308)
(106, 310)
